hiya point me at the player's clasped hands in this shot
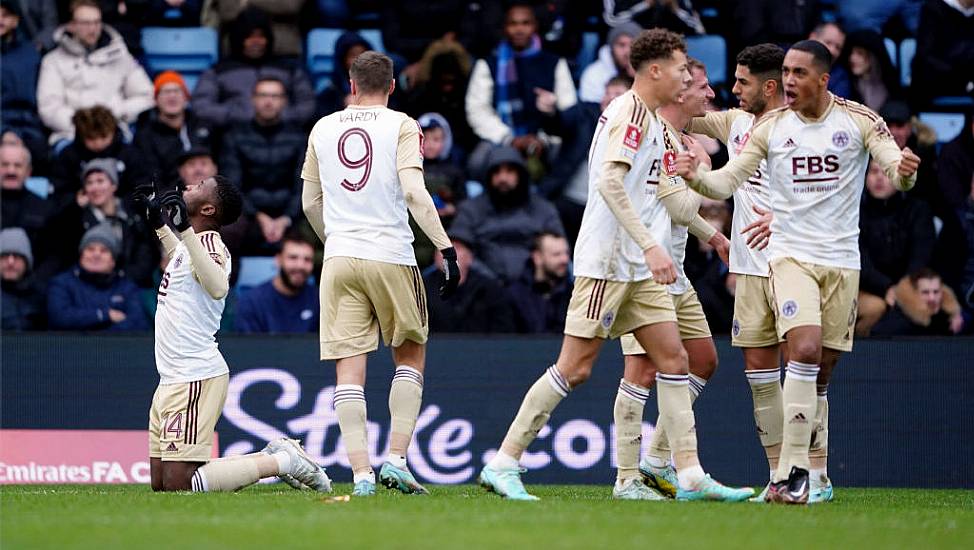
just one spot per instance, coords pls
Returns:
(660, 263)
(908, 164)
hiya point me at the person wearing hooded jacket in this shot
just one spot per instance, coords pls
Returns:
(223, 93)
(873, 78)
(613, 60)
(334, 97)
(500, 225)
(90, 66)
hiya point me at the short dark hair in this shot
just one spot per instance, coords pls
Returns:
(653, 45)
(821, 55)
(270, 78)
(83, 4)
(763, 60)
(620, 80)
(372, 72)
(94, 122)
(295, 238)
(540, 237)
(923, 273)
(820, 28)
(230, 200)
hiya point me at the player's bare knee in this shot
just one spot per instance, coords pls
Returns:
(578, 374)
(804, 350)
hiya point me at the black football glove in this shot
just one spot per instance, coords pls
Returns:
(145, 201)
(451, 273)
(175, 208)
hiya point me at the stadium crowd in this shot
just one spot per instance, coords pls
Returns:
(507, 114)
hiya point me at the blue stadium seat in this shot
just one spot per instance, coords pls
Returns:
(947, 125)
(588, 52)
(712, 51)
(320, 51)
(255, 271)
(891, 50)
(908, 49)
(190, 51)
(951, 102)
(38, 186)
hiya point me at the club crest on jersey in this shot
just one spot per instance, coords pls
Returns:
(789, 309)
(633, 136)
(669, 163)
(840, 139)
(607, 319)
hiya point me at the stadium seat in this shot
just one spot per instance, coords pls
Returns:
(320, 50)
(891, 50)
(190, 51)
(255, 271)
(38, 186)
(712, 51)
(951, 102)
(587, 53)
(908, 49)
(947, 125)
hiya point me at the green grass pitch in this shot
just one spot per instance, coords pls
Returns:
(275, 517)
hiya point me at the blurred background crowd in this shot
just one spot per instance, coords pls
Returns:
(99, 96)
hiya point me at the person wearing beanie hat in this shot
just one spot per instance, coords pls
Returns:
(94, 295)
(613, 60)
(170, 129)
(23, 303)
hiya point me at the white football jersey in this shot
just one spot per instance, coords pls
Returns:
(817, 169)
(187, 318)
(733, 127)
(628, 132)
(356, 155)
(679, 234)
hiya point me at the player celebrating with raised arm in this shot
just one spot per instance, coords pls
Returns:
(620, 269)
(363, 175)
(674, 205)
(758, 88)
(193, 375)
(817, 152)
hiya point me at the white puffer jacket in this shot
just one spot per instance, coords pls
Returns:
(72, 78)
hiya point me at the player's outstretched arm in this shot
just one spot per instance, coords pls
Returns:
(900, 166)
(681, 202)
(208, 264)
(714, 124)
(147, 202)
(721, 184)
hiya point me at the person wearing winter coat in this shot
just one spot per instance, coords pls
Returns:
(23, 302)
(223, 94)
(613, 61)
(924, 306)
(90, 66)
(18, 76)
(94, 295)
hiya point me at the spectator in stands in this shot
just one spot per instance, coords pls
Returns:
(174, 13)
(288, 302)
(875, 15)
(782, 23)
(98, 136)
(19, 65)
(714, 284)
(23, 302)
(613, 61)
(338, 92)
(409, 27)
(567, 182)
(832, 35)
(223, 95)
(440, 86)
(500, 224)
(97, 204)
(896, 238)
(955, 173)
(195, 166)
(264, 157)
(444, 179)
(38, 19)
(480, 304)
(516, 95)
(540, 296)
(921, 139)
(94, 295)
(944, 60)
(924, 306)
(164, 133)
(873, 78)
(675, 15)
(90, 66)
(283, 17)
(24, 209)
